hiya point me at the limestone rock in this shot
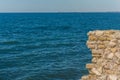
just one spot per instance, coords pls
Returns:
(90, 66)
(113, 50)
(92, 46)
(111, 77)
(117, 35)
(101, 46)
(112, 44)
(101, 38)
(117, 54)
(114, 40)
(95, 71)
(110, 56)
(90, 33)
(105, 48)
(100, 51)
(94, 60)
(92, 38)
(99, 33)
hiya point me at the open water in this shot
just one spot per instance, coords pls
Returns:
(48, 46)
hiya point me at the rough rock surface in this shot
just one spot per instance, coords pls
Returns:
(105, 48)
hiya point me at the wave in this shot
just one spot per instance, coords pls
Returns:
(9, 42)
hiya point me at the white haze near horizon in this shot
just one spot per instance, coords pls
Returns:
(59, 5)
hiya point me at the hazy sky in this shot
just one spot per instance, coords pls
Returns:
(59, 5)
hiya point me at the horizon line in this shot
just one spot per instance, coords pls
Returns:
(62, 12)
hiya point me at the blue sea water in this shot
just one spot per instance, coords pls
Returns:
(48, 46)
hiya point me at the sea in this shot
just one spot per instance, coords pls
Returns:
(49, 46)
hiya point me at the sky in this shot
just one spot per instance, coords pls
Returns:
(59, 5)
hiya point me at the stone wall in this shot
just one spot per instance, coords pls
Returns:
(105, 48)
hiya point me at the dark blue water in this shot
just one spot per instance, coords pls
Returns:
(48, 46)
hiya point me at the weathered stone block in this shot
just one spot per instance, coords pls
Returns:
(113, 50)
(117, 54)
(112, 77)
(106, 43)
(102, 38)
(107, 71)
(95, 71)
(110, 55)
(114, 40)
(89, 66)
(93, 38)
(91, 42)
(98, 51)
(108, 38)
(101, 47)
(112, 44)
(99, 33)
(96, 55)
(91, 46)
(117, 35)
(100, 43)
(94, 60)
